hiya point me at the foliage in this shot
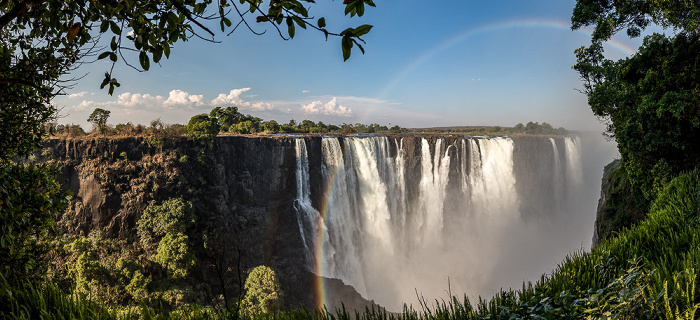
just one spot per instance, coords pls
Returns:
(612, 16)
(30, 201)
(651, 104)
(202, 127)
(226, 117)
(650, 101)
(174, 252)
(98, 118)
(263, 292)
(23, 112)
(537, 128)
(173, 216)
(624, 205)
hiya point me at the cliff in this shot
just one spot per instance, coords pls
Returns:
(243, 189)
(620, 205)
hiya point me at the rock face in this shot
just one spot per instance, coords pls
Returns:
(620, 205)
(243, 189)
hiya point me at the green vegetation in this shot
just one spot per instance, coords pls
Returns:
(650, 101)
(648, 270)
(624, 206)
(263, 293)
(30, 202)
(98, 118)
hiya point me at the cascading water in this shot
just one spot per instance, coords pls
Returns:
(389, 226)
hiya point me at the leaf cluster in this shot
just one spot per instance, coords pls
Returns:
(263, 292)
(173, 216)
(651, 104)
(30, 202)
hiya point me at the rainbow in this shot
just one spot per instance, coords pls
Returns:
(321, 293)
(498, 26)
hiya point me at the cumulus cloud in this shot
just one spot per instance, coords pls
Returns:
(183, 99)
(77, 95)
(331, 108)
(305, 91)
(232, 98)
(134, 100)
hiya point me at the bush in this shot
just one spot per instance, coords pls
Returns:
(263, 292)
(174, 254)
(173, 216)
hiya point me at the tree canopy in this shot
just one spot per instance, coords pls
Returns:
(650, 101)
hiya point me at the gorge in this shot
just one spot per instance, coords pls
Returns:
(393, 216)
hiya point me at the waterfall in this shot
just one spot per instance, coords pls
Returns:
(387, 226)
(308, 217)
(557, 183)
(574, 169)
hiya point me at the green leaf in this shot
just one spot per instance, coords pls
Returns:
(362, 30)
(158, 53)
(113, 44)
(322, 22)
(103, 55)
(359, 46)
(346, 45)
(105, 81)
(143, 59)
(299, 21)
(166, 49)
(290, 27)
(113, 56)
(360, 8)
(115, 28)
(104, 26)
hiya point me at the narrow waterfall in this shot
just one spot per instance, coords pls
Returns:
(397, 217)
(574, 170)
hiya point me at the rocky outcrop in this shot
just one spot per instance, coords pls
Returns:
(620, 205)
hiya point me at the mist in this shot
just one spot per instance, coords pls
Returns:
(402, 218)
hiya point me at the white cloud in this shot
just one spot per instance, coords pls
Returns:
(331, 108)
(183, 99)
(130, 100)
(233, 98)
(261, 106)
(77, 95)
(305, 91)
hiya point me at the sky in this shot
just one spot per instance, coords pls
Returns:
(446, 63)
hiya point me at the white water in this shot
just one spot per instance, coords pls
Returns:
(388, 241)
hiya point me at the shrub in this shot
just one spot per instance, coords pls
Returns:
(174, 253)
(263, 292)
(173, 216)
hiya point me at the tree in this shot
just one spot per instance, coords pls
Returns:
(649, 101)
(226, 117)
(172, 216)
(98, 118)
(202, 127)
(271, 126)
(175, 254)
(30, 202)
(263, 292)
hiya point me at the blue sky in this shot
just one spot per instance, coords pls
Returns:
(445, 63)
